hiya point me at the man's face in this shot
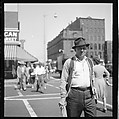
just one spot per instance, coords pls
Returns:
(81, 51)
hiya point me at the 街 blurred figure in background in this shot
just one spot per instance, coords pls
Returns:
(21, 74)
(101, 81)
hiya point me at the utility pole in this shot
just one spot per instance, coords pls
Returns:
(44, 16)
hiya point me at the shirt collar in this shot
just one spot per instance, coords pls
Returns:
(80, 60)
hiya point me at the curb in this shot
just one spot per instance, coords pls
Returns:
(10, 81)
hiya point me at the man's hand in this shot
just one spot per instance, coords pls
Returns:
(62, 102)
(94, 90)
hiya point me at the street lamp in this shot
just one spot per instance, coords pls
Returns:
(44, 16)
(44, 40)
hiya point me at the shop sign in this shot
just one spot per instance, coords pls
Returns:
(10, 36)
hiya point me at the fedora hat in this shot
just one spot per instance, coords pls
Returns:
(21, 62)
(36, 63)
(97, 60)
(79, 42)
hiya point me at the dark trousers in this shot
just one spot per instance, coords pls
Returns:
(78, 101)
(32, 79)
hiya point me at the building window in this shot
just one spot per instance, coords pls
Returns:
(99, 38)
(102, 46)
(95, 46)
(99, 46)
(95, 53)
(91, 38)
(98, 30)
(91, 54)
(95, 30)
(87, 37)
(95, 38)
(102, 38)
(100, 54)
(103, 54)
(75, 35)
(103, 31)
(91, 46)
(91, 30)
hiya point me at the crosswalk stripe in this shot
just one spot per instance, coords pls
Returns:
(32, 95)
(53, 86)
(29, 108)
(8, 85)
(26, 103)
(102, 103)
(35, 98)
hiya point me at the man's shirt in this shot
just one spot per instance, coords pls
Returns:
(80, 76)
(21, 70)
(38, 70)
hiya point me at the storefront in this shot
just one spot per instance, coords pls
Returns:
(13, 52)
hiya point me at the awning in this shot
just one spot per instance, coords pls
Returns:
(14, 52)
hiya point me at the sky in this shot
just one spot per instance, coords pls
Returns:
(32, 20)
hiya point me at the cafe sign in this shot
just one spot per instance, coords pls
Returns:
(10, 36)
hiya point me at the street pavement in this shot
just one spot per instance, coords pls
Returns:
(30, 103)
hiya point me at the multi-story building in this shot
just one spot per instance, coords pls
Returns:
(13, 48)
(108, 51)
(92, 29)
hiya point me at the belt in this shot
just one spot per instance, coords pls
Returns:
(81, 88)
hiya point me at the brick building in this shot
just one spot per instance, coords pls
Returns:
(92, 29)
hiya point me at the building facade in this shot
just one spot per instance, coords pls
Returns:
(13, 47)
(108, 51)
(92, 29)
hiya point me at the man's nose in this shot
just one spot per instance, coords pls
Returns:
(82, 49)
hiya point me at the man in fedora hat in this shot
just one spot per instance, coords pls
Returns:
(80, 94)
(39, 77)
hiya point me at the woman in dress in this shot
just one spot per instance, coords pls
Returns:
(100, 81)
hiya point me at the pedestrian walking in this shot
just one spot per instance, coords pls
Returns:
(21, 74)
(28, 73)
(32, 75)
(77, 83)
(18, 73)
(13, 71)
(38, 77)
(100, 81)
(44, 75)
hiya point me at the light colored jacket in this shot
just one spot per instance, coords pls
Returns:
(21, 71)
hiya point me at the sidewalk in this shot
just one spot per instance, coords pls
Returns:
(10, 81)
(15, 81)
(52, 76)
